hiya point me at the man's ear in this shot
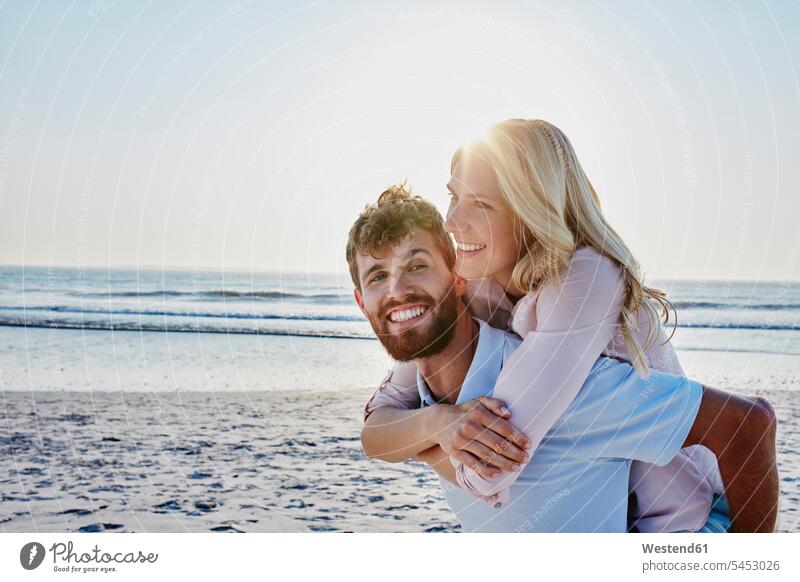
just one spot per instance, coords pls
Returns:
(460, 283)
(359, 301)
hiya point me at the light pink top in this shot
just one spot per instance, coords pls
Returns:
(565, 328)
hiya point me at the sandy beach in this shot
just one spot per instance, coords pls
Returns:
(235, 462)
(257, 462)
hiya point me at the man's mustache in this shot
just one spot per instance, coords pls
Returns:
(406, 300)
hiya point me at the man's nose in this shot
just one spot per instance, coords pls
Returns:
(399, 287)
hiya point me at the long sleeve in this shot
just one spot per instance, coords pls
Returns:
(565, 329)
(398, 389)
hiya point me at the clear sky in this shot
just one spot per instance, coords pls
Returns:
(247, 136)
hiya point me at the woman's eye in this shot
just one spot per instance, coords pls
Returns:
(483, 206)
(417, 267)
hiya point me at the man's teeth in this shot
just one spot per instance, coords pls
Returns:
(406, 314)
(469, 246)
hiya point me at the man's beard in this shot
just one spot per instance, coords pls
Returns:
(419, 341)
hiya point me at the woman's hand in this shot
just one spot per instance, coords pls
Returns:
(479, 435)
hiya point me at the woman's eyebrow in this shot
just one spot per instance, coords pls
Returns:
(468, 193)
(480, 198)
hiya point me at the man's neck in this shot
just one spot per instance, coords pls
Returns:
(446, 371)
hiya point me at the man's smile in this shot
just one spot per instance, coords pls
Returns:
(405, 313)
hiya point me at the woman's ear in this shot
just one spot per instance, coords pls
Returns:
(522, 237)
(460, 283)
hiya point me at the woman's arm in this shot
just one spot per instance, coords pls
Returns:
(573, 325)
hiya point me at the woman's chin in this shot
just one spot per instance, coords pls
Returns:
(470, 271)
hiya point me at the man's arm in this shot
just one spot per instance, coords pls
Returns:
(480, 425)
(741, 433)
(439, 462)
(396, 434)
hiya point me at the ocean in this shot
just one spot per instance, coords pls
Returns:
(181, 401)
(110, 329)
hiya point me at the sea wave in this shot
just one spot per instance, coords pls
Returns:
(742, 306)
(221, 294)
(344, 298)
(744, 326)
(222, 327)
(182, 328)
(738, 350)
(171, 313)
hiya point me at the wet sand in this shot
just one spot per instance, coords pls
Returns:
(251, 462)
(235, 461)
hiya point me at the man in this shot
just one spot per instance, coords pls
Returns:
(401, 262)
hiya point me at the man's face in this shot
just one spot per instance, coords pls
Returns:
(410, 297)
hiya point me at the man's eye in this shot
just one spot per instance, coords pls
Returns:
(377, 277)
(452, 195)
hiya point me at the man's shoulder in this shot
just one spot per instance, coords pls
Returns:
(499, 337)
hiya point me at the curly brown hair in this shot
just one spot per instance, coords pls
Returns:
(386, 222)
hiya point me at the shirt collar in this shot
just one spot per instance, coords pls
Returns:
(483, 371)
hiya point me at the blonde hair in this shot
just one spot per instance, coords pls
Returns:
(544, 184)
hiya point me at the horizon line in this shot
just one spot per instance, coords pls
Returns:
(239, 269)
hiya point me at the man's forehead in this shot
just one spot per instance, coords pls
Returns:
(415, 241)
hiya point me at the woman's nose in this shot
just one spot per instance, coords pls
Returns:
(452, 223)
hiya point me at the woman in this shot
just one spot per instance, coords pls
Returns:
(543, 261)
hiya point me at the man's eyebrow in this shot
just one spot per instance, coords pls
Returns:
(409, 255)
(372, 269)
(413, 252)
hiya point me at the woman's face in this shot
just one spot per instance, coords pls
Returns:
(482, 222)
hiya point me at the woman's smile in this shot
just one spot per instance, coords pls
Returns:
(469, 249)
